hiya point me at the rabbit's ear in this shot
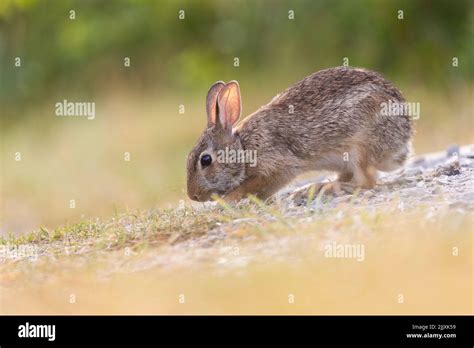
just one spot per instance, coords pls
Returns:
(211, 102)
(229, 105)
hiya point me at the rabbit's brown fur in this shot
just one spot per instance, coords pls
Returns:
(330, 120)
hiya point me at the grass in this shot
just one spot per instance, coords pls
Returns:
(248, 259)
(122, 230)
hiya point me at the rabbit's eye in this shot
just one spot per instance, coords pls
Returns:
(206, 160)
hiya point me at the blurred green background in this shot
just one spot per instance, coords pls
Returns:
(173, 62)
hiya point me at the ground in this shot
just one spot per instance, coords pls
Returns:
(403, 247)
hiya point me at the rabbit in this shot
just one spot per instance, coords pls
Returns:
(331, 120)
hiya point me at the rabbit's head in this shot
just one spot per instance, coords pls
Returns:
(209, 170)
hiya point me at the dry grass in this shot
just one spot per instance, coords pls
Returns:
(142, 264)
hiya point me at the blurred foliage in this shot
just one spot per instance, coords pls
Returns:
(85, 55)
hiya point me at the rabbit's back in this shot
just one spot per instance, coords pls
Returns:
(331, 112)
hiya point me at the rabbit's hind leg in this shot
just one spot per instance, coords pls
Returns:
(345, 176)
(360, 170)
(350, 182)
(364, 177)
